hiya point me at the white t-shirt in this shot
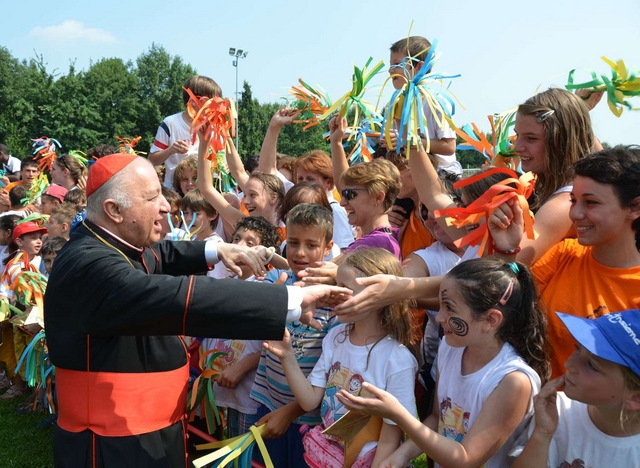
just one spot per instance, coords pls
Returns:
(172, 129)
(387, 365)
(460, 397)
(447, 162)
(286, 182)
(12, 165)
(578, 443)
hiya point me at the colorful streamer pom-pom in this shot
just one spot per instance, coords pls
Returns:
(238, 450)
(38, 186)
(38, 218)
(407, 105)
(483, 206)
(80, 156)
(38, 368)
(500, 151)
(621, 85)
(354, 99)
(223, 180)
(45, 150)
(26, 282)
(364, 138)
(216, 116)
(7, 310)
(311, 102)
(127, 145)
(202, 391)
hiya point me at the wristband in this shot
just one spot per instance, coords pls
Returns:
(507, 251)
(273, 252)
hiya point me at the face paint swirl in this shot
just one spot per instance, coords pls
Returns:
(458, 326)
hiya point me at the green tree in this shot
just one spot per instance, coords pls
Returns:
(253, 121)
(160, 80)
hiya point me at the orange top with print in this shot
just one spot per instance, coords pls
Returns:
(569, 280)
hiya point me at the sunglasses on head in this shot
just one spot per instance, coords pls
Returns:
(350, 193)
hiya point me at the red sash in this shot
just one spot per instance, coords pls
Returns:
(121, 404)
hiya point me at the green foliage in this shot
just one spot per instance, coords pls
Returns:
(253, 121)
(82, 109)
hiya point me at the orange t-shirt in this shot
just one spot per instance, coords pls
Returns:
(569, 280)
(415, 236)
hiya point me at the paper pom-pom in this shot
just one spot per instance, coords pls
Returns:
(500, 151)
(127, 145)
(38, 186)
(407, 104)
(202, 391)
(354, 99)
(214, 115)
(311, 102)
(45, 150)
(482, 207)
(621, 85)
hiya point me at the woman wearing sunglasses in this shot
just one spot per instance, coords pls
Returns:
(68, 172)
(368, 191)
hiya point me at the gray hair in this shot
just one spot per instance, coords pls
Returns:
(116, 189)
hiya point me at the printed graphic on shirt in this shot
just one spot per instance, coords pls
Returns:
(233, 350)
(338, 377)
(454, 421)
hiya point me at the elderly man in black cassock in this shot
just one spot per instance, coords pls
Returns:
(116, 303)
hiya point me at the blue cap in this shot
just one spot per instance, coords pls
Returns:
(614, 337)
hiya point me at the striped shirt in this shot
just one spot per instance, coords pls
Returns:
(270, 386)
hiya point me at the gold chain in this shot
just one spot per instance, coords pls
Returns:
(108, 244)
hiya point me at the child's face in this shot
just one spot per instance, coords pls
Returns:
(346, 277)
(530, 144)
(54, 228)
(188, 180)
(303, 175)
(306, 245)
(460, 326)
(247, 238)
(399, 67)
(48, 261)
(31, 243)
(257, 201)
(203, 221)
(597, 215)
(47, 204)
(593, 380)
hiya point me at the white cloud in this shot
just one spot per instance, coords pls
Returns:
(71, 31)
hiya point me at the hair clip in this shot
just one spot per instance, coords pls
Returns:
(507, 293)
(542, 117)
(514, 267)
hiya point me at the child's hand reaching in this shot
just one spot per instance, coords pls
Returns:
(546, 411)
(284, 116)
(337, 129)
(182, 146)
(506, 225)
(384, 404)
(324, 273)
(280, 348)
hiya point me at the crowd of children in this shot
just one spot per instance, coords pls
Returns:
(476, 342)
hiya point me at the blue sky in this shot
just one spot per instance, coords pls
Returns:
(504, 50)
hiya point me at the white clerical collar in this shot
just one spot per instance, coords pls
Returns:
(120, 239)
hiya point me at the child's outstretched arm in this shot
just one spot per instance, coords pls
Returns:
(389, 441)
(337, 128)
(205, 184)
(498, 418)
(536, 452)
(429, 189)
(236, 168)
(308, 396)
(278, 421)
(268, 159)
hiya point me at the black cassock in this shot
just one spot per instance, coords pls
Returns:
(113, 314)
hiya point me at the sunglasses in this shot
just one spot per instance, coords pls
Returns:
(350, 193)
(424, 212)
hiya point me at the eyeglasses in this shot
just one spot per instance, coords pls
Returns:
(350, 193)
(424, 212)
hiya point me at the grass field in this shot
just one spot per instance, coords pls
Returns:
(25, 446)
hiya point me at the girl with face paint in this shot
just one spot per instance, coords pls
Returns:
(491, 364)
(372, 347)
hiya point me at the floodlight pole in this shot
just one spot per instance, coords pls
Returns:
(237, 54)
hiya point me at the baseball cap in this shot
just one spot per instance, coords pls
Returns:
(614, 337)
(25, 228)
(56, 191)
